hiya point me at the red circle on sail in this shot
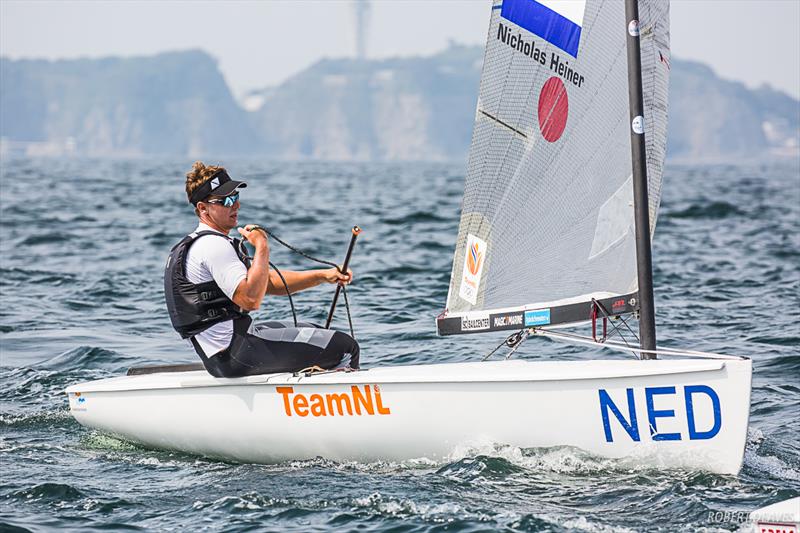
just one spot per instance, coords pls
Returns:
(553, 109)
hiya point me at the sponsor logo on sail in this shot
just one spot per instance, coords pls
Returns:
(618, 305)
(361, 400)
(474, 323)
(507, 320)
(537, 317)
(475, 257)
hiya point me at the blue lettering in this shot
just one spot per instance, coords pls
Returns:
(708, 391)
(606, 403)
(653, 413)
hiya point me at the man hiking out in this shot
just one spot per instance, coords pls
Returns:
(210, 285)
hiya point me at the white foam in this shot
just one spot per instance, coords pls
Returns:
(405, 507)
(766, 463)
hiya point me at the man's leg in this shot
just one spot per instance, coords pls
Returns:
(263, 350)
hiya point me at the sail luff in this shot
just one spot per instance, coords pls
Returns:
(644, 262)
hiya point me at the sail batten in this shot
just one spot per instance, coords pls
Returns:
(547, 215)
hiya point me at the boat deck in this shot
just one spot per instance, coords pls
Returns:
(487, 372)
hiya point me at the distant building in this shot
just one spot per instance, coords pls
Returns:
(361, 11)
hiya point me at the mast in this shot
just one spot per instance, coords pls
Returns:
(644, 261)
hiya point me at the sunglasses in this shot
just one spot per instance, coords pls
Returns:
(226, 201)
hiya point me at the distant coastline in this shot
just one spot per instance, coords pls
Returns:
(401, 109)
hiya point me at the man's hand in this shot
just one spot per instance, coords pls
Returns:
(332, 275)
(252, 288)
(254, 235)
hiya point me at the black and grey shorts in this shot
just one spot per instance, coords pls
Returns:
(278, 346)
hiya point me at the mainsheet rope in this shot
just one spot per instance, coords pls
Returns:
(311, 258)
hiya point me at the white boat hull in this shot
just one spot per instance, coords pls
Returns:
(684, 413)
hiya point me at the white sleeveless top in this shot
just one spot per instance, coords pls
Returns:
(210, 258)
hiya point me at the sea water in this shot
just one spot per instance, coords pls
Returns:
(82, 250)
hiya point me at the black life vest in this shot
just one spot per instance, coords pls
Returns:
(195, 307)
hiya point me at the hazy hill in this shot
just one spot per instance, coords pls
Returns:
(395, 109)
(411, 108)
(172, 103)
(715, 118)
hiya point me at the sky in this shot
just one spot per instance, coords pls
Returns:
(262, 43)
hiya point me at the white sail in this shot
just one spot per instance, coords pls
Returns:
(547, 218)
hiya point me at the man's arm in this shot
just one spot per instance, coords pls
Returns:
(299, 281)
(250, 291)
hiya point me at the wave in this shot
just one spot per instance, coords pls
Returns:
(435, 246)
(44, 382)
(105, 290)
(768, 466)
(66, 496)
(788, 364)
(31, 387)
(86, 357)
(48, 492)
(400, 270)
(482, 466)
(12, 276)
(163, 238)
(405, 507)
(415, 218)
(785, 340)
(55, 237)
(306, 218)
(250, 501)
(11, 528)
(785, 253)
(559, 459)
(713, 210)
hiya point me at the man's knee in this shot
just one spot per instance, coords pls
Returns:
(346, 346)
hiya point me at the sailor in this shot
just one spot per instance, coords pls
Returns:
(210, 286)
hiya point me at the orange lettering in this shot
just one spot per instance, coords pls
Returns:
(360, 400)
(365, 402)
(317, 405)
(381, 409)
(339, 399)
(286, 391)
(301, 402)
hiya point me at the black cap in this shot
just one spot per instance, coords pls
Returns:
(219, 184)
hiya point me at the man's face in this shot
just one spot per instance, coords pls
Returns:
(224, 217)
